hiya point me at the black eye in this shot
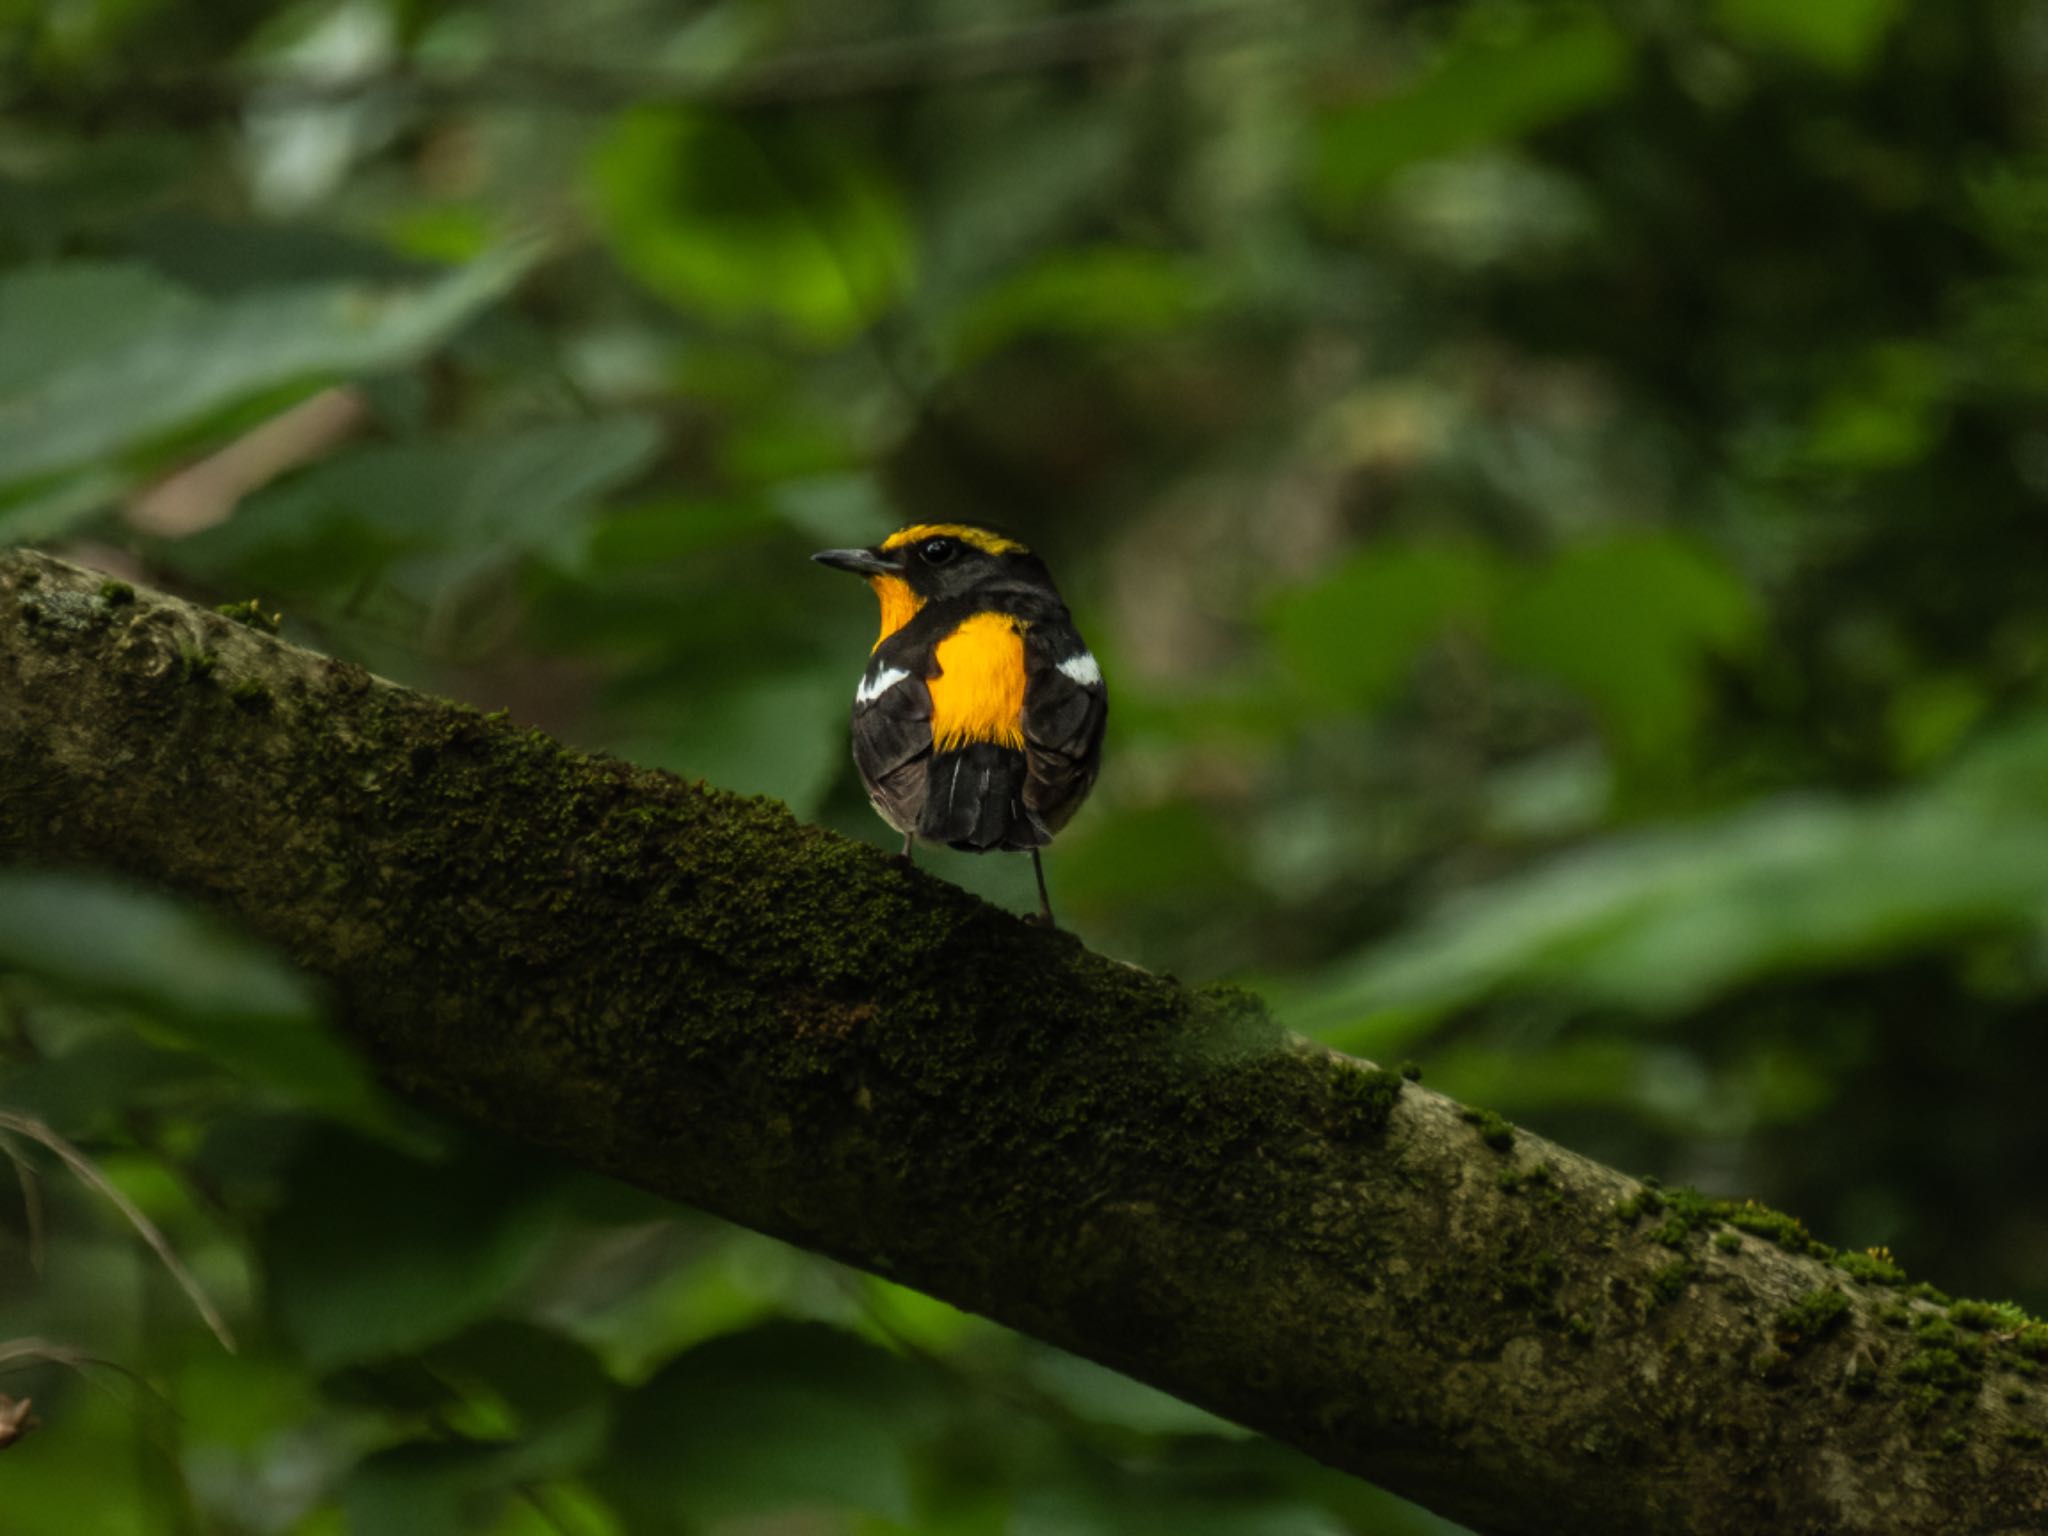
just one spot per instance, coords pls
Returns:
(938, 551)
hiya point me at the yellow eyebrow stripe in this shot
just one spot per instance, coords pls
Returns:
(978, 693)
(988, 543)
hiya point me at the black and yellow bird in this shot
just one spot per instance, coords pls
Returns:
(978, 722)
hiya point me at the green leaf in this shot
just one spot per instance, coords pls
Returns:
(378, 1254)
(425, 1490)
(535, 1407)
(1353, 635)
(1163, 1503)
(117, 391)
(91, 1082)
(671, 530)
(1841, 35)
(761, 222)
(1103, 1396)
(52, 316)
(1662, 921)
(1883, 412)
(782, 1418)
(1492, 85)
(783, 736)
(347, 519)
(552, 1391)
(1629, 624)
(1106, 291)
(212, 989)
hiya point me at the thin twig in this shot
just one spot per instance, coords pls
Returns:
(20, 1354)
(89, 1173)
(31, 1202)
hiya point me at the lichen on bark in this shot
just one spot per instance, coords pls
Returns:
(689, 990)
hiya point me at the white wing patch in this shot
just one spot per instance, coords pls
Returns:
(872, 688)
(1082, 668)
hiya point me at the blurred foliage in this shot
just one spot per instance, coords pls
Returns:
(1557, 489)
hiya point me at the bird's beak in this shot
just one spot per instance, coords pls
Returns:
(862, 562)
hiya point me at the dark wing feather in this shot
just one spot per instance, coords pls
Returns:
(892, 742)
(973, 799)
(1063, 719)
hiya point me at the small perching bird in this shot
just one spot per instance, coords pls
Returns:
(978, 722)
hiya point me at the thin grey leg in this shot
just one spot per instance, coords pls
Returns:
(1044, 901)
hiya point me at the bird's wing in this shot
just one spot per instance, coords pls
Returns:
(1065, 707)
(892, 739)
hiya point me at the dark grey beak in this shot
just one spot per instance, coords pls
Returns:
(862, 562)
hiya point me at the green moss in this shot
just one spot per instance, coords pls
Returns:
(1936, 1330)
(1540, 1177)
(1896, 1316)
(1920, 1401)
(115, 594)
(1987, 1316)
(1873, 1266)
(2028, 1439)
(1762, 1221)
(2032, 1341)
(1668, 1281)
(1364, 1100)
(251, 613)
(1950, 1440)
(251, 694)
(1925, 1292)
(1493, 1127)
(195, 665)
(1943, 1370)
(1727, 1242)
(1532, 1281)
(1812, 1318)
(1771, 1365)
(1579, 1328)
(1672, 1232)
(1412, 1070)
(1644, 1202)
(1974, 1315)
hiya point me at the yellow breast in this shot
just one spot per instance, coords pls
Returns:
(978, 694)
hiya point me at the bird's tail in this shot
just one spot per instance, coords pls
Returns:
(974, 800)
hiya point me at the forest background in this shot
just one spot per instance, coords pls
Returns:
(1557, 491)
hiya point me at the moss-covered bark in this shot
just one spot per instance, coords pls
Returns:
(691, 991)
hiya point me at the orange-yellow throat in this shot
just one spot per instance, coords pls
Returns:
(899, 605)
(978, 694)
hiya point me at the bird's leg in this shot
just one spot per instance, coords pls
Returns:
(1043, 917)
(903, 859)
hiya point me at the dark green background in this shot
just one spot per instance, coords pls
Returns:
(1557, 491)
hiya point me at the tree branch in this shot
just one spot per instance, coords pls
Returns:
(690, 991)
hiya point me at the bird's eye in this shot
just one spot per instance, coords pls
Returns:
(938, 551)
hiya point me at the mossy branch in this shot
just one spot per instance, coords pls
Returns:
(691, 991)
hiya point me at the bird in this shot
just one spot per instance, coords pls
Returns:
(978, 720)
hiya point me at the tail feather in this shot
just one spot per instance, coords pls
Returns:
(974, 799)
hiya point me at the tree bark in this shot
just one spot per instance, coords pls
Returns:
(690, 991)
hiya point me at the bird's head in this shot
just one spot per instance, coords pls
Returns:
(927, 562)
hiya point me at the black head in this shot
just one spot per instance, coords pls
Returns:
(939, 560)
